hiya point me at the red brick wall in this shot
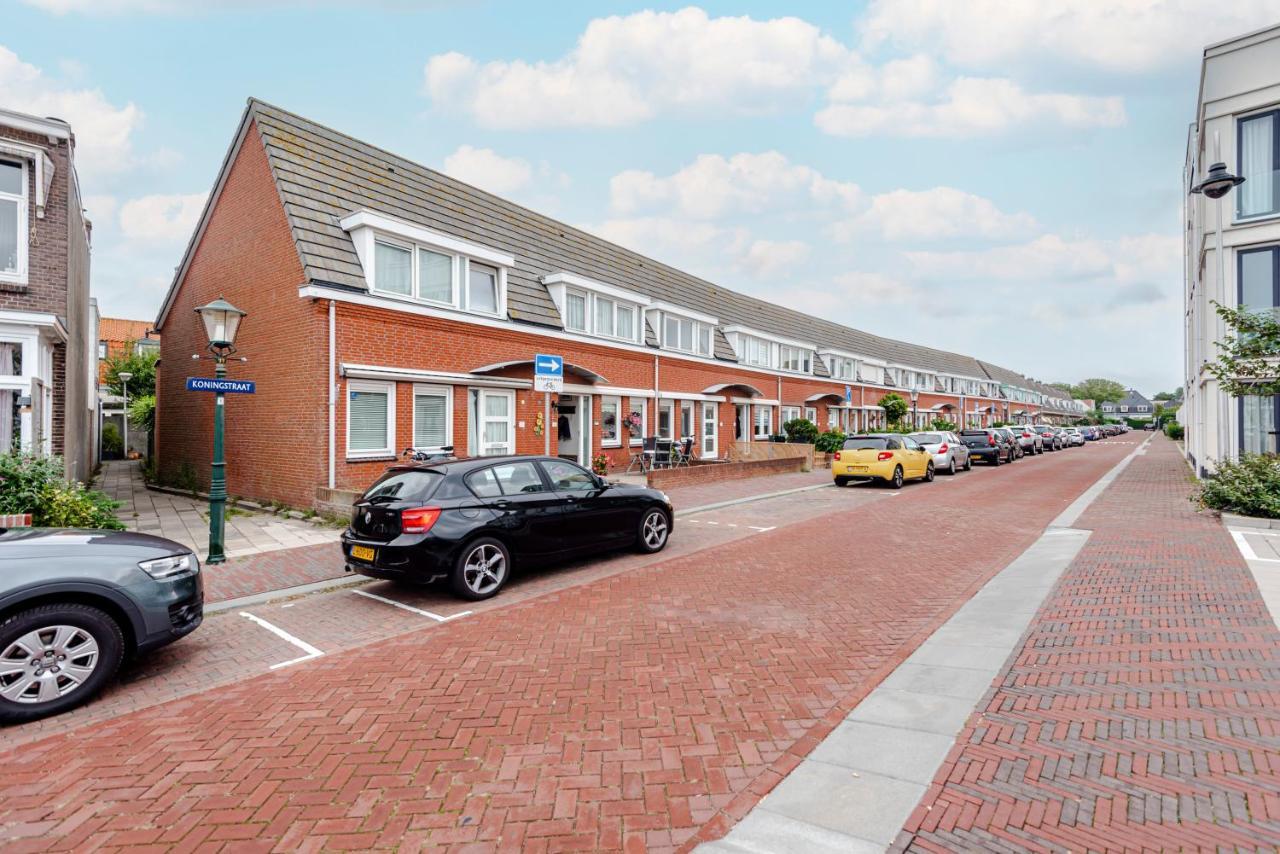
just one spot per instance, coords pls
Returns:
(667, 478)
(276, 439)
(47, 247)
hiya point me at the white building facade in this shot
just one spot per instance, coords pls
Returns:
(1237, 122)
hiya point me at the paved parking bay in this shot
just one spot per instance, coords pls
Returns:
(632, 701)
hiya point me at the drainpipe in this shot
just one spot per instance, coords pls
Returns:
(656, 400)
(333, 391)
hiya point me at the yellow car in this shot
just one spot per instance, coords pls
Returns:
(891, 458)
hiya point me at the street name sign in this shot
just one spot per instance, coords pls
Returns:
(548, 373)
(226, 386)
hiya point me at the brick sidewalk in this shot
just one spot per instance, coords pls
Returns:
(628, 712)
(1142, 711)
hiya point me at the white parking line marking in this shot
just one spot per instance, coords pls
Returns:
(1254, 532)
(707, 522)
(438, 618)
(761, 530)
(1247, 550)
(311, 651)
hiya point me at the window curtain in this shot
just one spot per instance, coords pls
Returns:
(1257, 193)
(368, 421)
(429, 420)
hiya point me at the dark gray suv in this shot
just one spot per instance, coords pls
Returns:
(74, 604)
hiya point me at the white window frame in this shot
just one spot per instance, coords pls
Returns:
(802, 357)
(618, 427)
(793, 411)
(23, 237)
(686, 406)
(755, 421)
(755, 351)
(811, 414)
(586, 310)
(695, 334)
(389, 389)
(644, 420)
(444, 391)
(476, 420)
(464, 284)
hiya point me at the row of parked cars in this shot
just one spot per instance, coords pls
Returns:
(894, 458)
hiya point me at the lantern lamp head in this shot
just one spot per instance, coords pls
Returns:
(221, 322)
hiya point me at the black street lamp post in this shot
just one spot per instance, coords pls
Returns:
(221, 322)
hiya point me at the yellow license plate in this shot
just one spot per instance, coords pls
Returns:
(857, 468)
(362, 553)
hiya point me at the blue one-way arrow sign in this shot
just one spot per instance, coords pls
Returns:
(548, 366)
(226, 386)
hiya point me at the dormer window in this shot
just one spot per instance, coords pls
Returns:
(596, 308)
(683, 330)
(754, 351)
(795, 359)
(406, 261)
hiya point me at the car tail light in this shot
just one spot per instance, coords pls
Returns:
(991, 439)
(837, 456)
(942, 449)
(418, 520)
(884, 455)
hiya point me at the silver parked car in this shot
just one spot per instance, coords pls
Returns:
(1073, 435)
(950, 455)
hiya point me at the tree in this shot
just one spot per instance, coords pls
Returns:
(1166, 395)
(1062, 387)
(1098, 390)
(895, 406)
(1249, 359)
(141, 365)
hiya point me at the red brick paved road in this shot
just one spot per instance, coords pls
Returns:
(1143, 710)
(631, 711)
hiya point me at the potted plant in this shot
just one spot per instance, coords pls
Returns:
(600, 464)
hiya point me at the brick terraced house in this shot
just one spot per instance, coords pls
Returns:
(48, 388)
(390, 305)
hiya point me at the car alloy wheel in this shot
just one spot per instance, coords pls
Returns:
(951, 470)
(47, 663)
(928, 472)
(481, 570)
(55, 657)
(896, 483)
(654, 529)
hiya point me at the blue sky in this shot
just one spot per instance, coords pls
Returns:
(995, 178)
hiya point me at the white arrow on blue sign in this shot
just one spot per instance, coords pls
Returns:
(548, 366)
(848, 394)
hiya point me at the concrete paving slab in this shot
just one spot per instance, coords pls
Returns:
(985, 659)
(960, 682)
(911, 710)
(859, 804)
(767, 832)
(904, 754)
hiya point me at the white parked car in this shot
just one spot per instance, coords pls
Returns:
(950, 455)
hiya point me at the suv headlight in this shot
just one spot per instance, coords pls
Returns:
(168, 567)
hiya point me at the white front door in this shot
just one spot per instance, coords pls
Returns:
(573, 428)
(710, 423)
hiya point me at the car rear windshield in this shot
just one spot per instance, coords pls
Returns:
(928, 438)
(975, 433)
(402, 485)
(865, 443)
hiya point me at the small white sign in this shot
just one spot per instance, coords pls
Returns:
(545, 382)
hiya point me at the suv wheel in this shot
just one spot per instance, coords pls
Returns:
(55, 657)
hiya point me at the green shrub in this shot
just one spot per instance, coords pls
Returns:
(69, 505)
(895, 407)
(801, 430)
(142, 412)
(829, 441)
(112, 441)
(1174, 430)
(23, 479)
(944, 424)
(1250, 487)
(34, 484)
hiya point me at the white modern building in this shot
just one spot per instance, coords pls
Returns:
(1237, 122)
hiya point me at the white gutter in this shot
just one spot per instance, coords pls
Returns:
(333, 392)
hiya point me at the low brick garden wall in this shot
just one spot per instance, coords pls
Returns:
(716, 472)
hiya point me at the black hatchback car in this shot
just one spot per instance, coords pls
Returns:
(989, 445)
(468, 521)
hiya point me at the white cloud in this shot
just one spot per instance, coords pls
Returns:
(626, 69)
(1125, 36)
(939, 213)
(488, 170)
(104, 132)
(767, 258)
(713, 186)
(161, 218)
(968, 107)
(1107, 266)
